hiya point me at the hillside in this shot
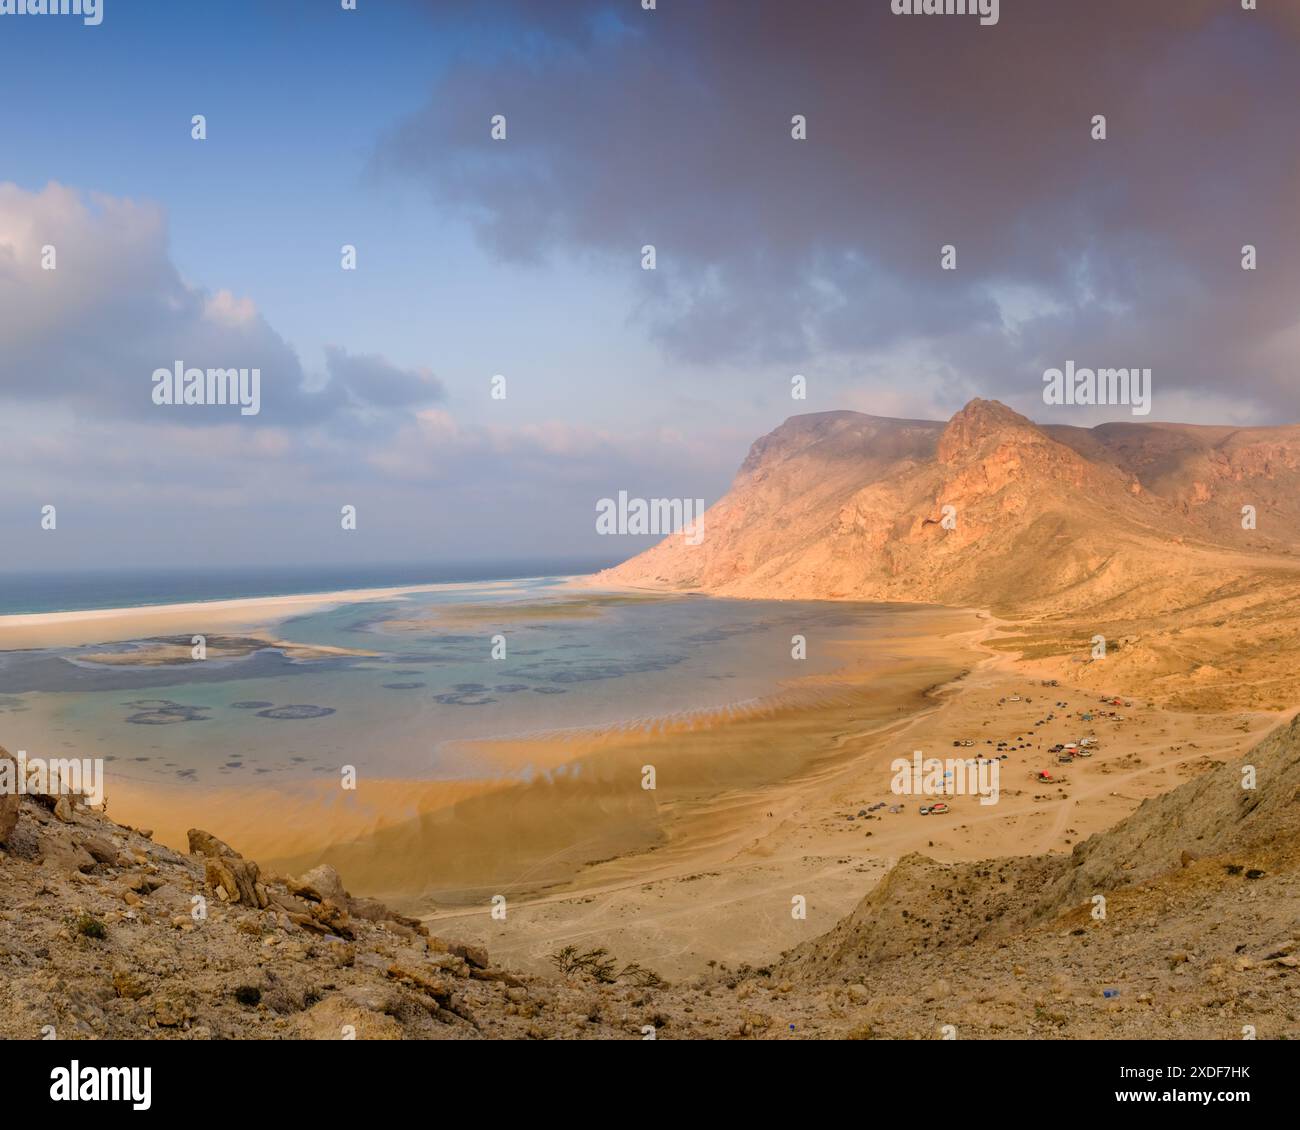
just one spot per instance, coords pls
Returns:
(1201, 937)
(1201, 932)
(1044, 520)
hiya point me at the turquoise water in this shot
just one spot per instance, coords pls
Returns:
(574, 660)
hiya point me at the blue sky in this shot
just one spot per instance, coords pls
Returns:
(296, 96)
(671, 127)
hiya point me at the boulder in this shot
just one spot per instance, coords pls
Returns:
(474, 955)
(319, 884)
(238, 878)
(372, 910)
(330, 914)
(205, 843)
(61, 854)
(101, 849)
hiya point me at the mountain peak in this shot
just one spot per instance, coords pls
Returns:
(980, 421)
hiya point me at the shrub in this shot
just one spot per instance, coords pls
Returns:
(89, 927)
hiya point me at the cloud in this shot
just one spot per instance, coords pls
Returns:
(372, 380)
(672, 127)
(90, 333)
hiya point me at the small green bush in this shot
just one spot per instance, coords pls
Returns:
(89, 927)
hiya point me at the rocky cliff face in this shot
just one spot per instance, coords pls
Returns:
(989, 509)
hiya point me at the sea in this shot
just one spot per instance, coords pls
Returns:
(404, 686)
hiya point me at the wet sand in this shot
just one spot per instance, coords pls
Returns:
(545, 809)
(721, 883)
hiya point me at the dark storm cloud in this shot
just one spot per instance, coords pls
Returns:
(672, 127)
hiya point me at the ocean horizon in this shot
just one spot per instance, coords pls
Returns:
(33, 592)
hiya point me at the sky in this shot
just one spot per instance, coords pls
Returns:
(522, 257)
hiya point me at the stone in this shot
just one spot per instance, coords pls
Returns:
(101, 849)
(319, 884)
(236, 878)
(173, 1007)
(62, 855)
(205, 843)
(473, 955)
(330, 914)
(372, 910)
(129, 985)
(438, 989)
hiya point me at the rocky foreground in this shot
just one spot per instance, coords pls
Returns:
(106, 934)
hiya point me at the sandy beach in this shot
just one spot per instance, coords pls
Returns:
(724, 881)
(111, 625)
(752, 806)
(750, 809)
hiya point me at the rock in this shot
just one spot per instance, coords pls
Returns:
(319, 884)
(858, 994)
(474, 955)
(236, 877)
(173, 1007)
(372, 910)
(205, 843)
(376, 998)
(288, 903)
(63, 810)
(101, 849)
(129, 985)
(1187, 858)
(438, 989)
(331, 914)
(63, 855)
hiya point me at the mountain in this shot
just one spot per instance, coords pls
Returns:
(1045, 519)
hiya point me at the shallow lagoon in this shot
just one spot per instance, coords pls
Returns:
(419, 684)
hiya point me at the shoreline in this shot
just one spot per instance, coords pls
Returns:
(79, 627)
(749, 811)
